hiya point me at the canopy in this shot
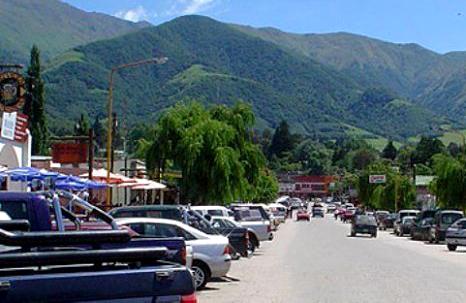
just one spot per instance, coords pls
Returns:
(78, 184)
(101, 175)
(149, 185)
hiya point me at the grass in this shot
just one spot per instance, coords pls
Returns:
(376, 141)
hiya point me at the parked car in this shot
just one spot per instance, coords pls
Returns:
(388, 222)
(213, 210)
(363, 224)
(405, 226)
(331, 207)
(211, 253)
(172, 212)
(251, 217)
(456, 235)
(239, 236)
(420, 230)
(380, 215)
(226, 222)
(442, 220)
(303, 215)
(399, 218)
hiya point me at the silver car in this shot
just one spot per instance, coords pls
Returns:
(211, 253)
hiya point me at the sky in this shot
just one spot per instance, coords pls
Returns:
(439, 25)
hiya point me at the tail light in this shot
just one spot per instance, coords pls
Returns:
(226, 250)
(189, 299)
(269, 228)
(183, 255)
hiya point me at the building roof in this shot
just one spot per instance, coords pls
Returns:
(313, 179)
(424, 180)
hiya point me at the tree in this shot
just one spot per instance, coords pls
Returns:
(82, 126)
(35, 105)
(213, 148)
(389, 152)
(426, 148)
(362, 157)
(450, 181)
(454, 149)
(282, 140)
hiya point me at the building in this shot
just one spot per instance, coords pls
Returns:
(305, 187)
(424, 198)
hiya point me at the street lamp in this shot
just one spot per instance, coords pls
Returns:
(161, 60)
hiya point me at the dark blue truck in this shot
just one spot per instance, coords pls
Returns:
(41, 264)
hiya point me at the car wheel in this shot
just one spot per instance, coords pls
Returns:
(353, 234)
(375, 235)
(201, 274)
(451, 247)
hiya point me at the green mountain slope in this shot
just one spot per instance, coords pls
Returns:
(429, 79)
(54, 26)
(212, 62)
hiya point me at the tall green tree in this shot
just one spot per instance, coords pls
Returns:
(426, 148)
(450, 182)
(214, 151)
(35, 105)
(99, 132)
(282, 140)
(389, 152)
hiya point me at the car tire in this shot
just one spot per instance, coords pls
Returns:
(451, 247)
(374, 235)
(201, 274)
(251, 248)
(353, 234)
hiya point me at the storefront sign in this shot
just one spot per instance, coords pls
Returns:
(8, 125)
(69, 153)
(377, 179)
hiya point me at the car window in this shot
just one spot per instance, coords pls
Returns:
(450, 218)
(229, 224)
(186, 235)
(215, 212)
(17, 210)
(217, 223)
(155, 230)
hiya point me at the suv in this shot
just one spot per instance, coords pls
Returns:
(363, 224)
(442, 220)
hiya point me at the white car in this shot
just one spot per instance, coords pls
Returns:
(211, 253)
(226, 222)
(213, 210)
(278, 211)
(252, 218)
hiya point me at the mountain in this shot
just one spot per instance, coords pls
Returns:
(429, 79)
(54, 26)
(215, 63)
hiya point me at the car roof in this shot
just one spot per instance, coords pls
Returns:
(450, 212)
(196, 232)
(147, 207)
(208, 207)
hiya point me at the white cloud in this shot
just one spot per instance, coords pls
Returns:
(136, 14)
(197, 6)
(189, 7)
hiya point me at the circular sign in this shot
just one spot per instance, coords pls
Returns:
(12, 91)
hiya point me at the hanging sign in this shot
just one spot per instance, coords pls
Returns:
(69, 153)
(8, 125)
(12, 91)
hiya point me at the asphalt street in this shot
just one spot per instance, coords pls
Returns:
(317, 262)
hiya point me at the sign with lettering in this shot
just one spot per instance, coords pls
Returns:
(8, 125)
(377, 179)
(69, 153)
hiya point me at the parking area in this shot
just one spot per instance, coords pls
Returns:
(318, 262)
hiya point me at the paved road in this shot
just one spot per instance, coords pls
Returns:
(318, 262)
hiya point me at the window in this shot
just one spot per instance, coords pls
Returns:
(155, 230)
(186, 235)
(215, 212)
(17, 210)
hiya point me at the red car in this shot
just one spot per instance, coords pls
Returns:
(349, 214)
(303, 215)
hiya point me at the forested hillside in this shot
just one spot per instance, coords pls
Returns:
(215, 63)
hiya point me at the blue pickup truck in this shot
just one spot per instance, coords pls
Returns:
(41, 261)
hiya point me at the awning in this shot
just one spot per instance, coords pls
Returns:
(150, 185)
(101, 175)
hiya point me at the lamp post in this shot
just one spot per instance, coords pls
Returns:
(161, 60)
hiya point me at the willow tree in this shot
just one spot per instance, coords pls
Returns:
(450, 183)
(213, 148)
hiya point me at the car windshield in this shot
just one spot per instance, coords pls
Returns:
(248, 215)
(215, 212)
(367, 220)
